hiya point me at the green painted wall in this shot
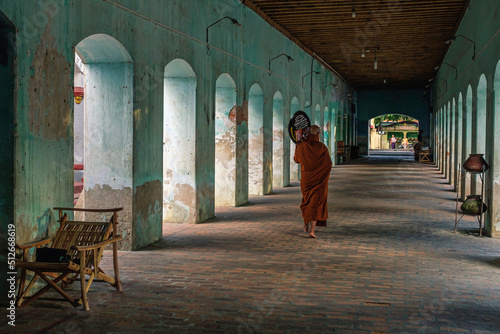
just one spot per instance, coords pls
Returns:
(7, 54)
(410, 102)
(153, 33)
(474, 83)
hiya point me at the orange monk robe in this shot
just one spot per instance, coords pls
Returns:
(315, 166)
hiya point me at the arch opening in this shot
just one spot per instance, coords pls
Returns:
(382, 128)
(7, 128)
(467, 141)
(495, 159)
(294, 167)
(256, 141)
(480, 146)
(318, 115)
(103, 127)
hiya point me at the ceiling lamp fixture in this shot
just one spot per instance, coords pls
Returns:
(353, 10)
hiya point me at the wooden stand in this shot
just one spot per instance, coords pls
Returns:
(461, 174)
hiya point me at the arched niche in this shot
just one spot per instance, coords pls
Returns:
(460, 130)
(326, 128)
(447, 141)
(225, 141)
(179, 133)
(467, 146)
(256, 140)
(294, 167)
(460, 135)
(107, 73)
(453, 135)
(333, 136)
(278, 139)
(382, 127)
(494, 200)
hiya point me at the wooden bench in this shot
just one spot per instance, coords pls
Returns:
(84, 242)
(343, 151)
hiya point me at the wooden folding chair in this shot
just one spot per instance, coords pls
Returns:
(84, 242)
(343, 151)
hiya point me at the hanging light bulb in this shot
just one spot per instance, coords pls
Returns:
(363, 53)
(375, 62)
(353, 10)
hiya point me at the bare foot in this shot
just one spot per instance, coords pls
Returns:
(306, 227)
(312, 235)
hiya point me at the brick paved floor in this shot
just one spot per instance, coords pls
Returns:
(388, 262)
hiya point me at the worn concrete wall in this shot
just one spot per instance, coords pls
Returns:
(153, 34)
(78, 123)
(294, 167)
(494, 192)
(410, 102)
(109, 140)
(475, 81)
(286, 143)
(7, 56)
(278, 141)
(179, 151)
(43, 102)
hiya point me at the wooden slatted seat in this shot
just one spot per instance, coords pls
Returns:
(84, 242)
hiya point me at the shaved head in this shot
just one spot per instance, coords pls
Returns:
(315, 130)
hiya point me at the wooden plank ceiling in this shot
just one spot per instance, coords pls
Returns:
(410, 36)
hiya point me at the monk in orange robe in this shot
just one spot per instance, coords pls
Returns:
(315, 166)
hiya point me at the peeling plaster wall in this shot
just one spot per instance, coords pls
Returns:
(7, 56)
(267, 181)
(278, 136)
(43, 146)
(108, 142)
(294, 167)
(410, 102)
(286, 144)
(179, 151)
(256, 142)
(48, 32)
(148, 208)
